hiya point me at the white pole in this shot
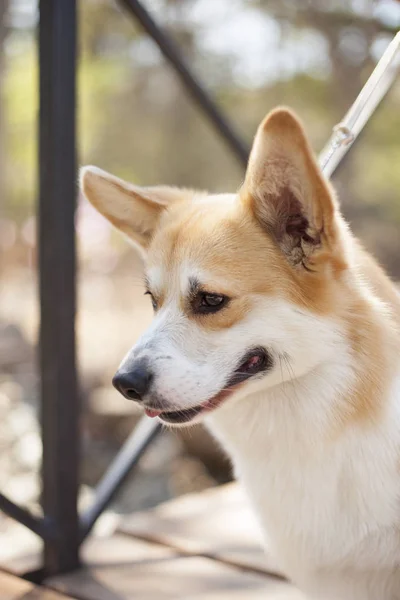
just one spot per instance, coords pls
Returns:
(377, 86)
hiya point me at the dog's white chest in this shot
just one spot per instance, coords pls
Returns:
(318, 504)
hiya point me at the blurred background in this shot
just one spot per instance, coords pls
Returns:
(135, 119)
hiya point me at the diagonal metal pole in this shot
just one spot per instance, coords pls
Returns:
(127, 458)
(40, 526)
(202, 98)
(57, 266)
(346, 132)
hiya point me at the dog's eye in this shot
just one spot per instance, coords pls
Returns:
(209, 303)
(212, 300)
(153, 301)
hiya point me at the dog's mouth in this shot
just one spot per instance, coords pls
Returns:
(255, 362)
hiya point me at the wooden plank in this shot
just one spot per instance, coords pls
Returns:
(121, 549)
(13, 588)
(96, 551)
(217, 523)
(185, 578)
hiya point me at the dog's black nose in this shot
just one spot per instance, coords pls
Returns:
(135, 383)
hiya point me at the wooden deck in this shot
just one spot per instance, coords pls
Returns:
(13, 588)
(198, 547)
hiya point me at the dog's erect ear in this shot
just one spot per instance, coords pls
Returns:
(287, 191)
(132, 209)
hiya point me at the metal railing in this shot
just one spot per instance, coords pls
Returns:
(62, 528)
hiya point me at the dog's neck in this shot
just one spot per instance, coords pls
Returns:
(300, 412)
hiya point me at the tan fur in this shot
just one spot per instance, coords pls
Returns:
(282, 158)
(134, 211)
(375, 341)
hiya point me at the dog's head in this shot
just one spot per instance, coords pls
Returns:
(243, 285)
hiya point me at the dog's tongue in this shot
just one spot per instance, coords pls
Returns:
(152, 413)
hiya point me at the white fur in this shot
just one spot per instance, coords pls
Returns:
(330, 511)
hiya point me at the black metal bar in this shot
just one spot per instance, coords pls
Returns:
(41, 527)
(129, 455)
(193, 86)
(37, 576)
(57, 265)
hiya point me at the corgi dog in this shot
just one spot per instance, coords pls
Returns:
(274, 326)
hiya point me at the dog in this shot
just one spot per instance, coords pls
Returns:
(274, 326)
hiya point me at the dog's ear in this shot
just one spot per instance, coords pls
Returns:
(132, 209)
(287, 192)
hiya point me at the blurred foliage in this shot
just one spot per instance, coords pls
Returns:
(135, 120)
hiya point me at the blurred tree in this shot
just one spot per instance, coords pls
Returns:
(3, 31)
(136, 120)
